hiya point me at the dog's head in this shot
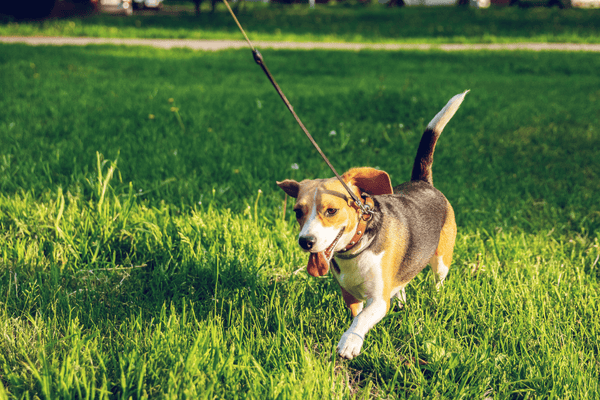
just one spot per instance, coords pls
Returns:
(325, 213)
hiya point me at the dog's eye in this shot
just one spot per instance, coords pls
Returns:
(299, 213)
(331, 212)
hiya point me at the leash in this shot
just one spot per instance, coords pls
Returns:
(258, 58)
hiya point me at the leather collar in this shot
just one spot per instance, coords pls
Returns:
(363, 220)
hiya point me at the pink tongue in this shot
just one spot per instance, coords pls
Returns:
(317, 264)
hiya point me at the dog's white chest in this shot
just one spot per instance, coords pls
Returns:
(361, 276)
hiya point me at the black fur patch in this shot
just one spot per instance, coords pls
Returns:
(421, 210)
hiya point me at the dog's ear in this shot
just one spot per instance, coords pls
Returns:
(370, 180)
(290, 186)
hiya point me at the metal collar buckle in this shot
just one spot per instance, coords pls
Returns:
(366, 213)
(368, 207)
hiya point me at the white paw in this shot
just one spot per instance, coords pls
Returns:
(349, 345)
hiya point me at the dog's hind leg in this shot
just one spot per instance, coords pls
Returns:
(441, 260)
(401, 297)
(440, 270)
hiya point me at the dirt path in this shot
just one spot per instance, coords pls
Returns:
(215, 45)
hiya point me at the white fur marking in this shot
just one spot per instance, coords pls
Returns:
(350, 344)
(363, 278)
(440, 270)
(441, 119)
(399, 294)
(324, 236)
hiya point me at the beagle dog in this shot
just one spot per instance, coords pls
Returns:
(374, 255)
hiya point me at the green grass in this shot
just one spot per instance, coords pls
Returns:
(138, 258)
(338, 24)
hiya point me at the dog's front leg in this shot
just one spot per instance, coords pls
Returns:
(352, 340)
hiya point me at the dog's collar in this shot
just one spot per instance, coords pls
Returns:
(363, 220)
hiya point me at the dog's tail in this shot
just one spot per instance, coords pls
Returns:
(424, 159)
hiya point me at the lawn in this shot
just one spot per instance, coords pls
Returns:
(145, 251)
(337, 24)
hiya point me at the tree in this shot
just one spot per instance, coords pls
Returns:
(396, 3)
(24, 9)
(198, 3)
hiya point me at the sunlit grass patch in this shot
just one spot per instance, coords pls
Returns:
(139, 258)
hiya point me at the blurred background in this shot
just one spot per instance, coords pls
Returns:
(39, 9)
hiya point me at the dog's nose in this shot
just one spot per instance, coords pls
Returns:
(307, 242)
